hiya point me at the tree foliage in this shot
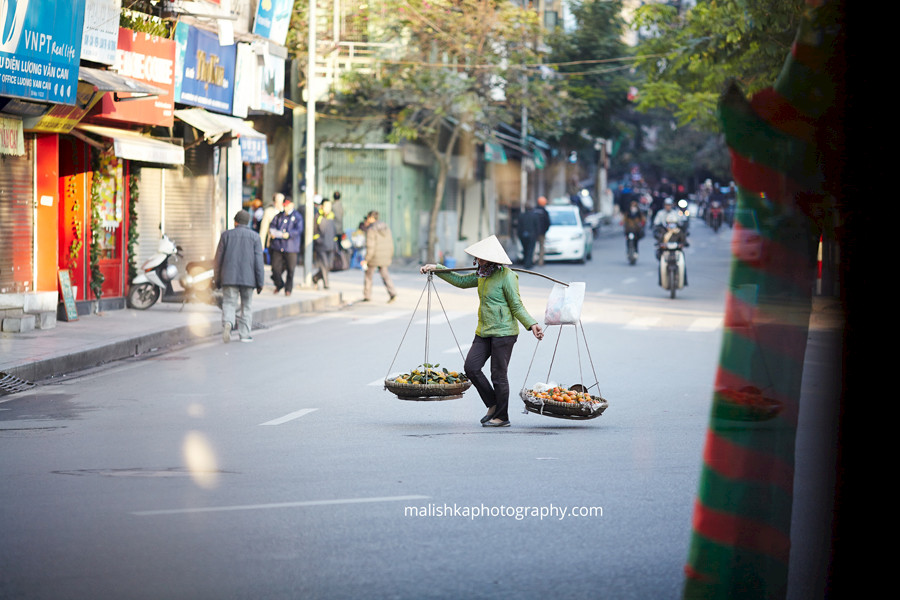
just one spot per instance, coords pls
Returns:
(592, 59)
(689, 55)
(463, 67)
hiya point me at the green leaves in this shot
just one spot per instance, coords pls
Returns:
(689, 57)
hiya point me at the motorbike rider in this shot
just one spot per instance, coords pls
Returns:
(671, 231)
(668, 209)
(634, 221)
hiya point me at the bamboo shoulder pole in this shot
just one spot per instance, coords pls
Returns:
(457, 269)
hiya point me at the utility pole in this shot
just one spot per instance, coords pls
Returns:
(309, 217)
(523, 173)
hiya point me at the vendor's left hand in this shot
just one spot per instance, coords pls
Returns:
(426, 268)
(537, 331)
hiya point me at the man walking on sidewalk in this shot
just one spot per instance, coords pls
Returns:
(286, 232)
(239, 269)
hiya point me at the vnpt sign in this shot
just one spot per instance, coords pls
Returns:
(40, 48)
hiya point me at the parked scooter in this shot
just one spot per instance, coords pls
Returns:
(672, 239)
(154, 280)
(716, 213)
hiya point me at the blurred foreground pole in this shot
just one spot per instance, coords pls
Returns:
(741, 540)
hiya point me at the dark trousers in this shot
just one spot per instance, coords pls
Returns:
(324, 261)
(528, 244)
(283, 263)
(499, 350)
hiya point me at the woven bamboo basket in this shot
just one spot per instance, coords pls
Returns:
(427, 392)
(563, 410)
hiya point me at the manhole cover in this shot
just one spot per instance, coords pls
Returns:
(10, 384)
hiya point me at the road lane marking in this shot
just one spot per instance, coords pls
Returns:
(706, 324)
(290, 417)
(301, 504)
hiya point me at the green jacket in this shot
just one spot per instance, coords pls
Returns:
(500, 305)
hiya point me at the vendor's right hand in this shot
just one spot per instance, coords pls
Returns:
(426, 268)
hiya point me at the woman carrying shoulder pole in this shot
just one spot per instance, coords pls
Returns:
(500, 311)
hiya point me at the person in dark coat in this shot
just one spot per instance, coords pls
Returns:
(529, 229)
(545, 225)
(324, 243)
(286, 233)
(239, 269)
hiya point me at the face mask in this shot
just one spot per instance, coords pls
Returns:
(487, 269)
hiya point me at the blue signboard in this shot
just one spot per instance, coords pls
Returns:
(40, 49)
(254, 149)
(272, 19)
(204, 70)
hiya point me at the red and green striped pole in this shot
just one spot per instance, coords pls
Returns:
(741, 541)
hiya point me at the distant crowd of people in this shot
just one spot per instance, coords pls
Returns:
(277, 231)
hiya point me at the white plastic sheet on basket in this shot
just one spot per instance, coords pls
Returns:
(564, 303)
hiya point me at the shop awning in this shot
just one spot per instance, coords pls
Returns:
(218, 128)
(110, 81)
(131, 145)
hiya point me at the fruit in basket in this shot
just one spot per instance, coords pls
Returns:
(428, 374)
(565, 395)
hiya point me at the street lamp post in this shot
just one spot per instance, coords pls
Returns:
(309, 217)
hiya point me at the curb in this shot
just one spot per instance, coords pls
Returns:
(73, 362)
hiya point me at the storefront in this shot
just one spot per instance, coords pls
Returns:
(101, 158)
(16, 213)
(36, 80)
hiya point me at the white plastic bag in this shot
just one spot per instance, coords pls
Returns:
(564, 304)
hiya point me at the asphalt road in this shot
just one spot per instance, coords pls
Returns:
(283, 469)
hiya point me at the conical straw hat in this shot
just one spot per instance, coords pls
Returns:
(489, 249)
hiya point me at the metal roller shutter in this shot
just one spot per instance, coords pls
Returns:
(189, 209)
(184, 197)
(149, 212)
(17, 220)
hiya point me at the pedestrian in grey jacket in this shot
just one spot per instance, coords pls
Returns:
(239, 269)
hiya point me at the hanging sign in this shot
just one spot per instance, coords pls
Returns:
(273, 17)
(40, 49)
(204, 69)
(62, 118)
(259, 80)
(149, 59)
(12, 140)
(101, 31)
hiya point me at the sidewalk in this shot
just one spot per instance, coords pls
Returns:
(112, 335)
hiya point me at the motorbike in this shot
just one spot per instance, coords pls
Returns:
(154, 280)
(671, 241)
(632, 254)
(715, 215)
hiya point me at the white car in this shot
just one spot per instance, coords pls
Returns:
(568, 237)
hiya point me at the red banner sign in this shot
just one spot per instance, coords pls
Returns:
(149, 59)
